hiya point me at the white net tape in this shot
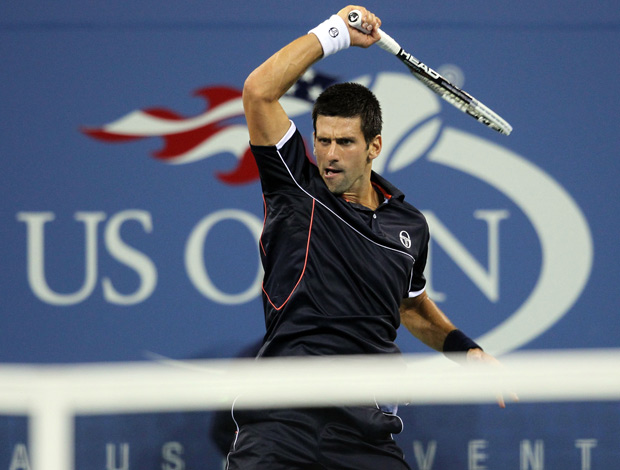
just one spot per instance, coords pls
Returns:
(53, 395)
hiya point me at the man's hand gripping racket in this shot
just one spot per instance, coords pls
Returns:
(448, 91)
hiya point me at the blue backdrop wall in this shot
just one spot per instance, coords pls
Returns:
(130, 212)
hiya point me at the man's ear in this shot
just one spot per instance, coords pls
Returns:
(374, 148)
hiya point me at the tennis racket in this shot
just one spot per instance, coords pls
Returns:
(448, 91)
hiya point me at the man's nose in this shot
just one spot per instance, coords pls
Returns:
(331, 152)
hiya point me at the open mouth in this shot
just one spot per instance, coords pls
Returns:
(331, 172)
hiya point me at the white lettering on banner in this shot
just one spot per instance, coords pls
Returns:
(475, 454)
(19, 460)
(194, 256)
(111, 451)
(487, 280)
(532, 459)
(532, 455)
(586, 446)
(171, 453)
(131, 257)
(35, 222)
(140, 263)
(422, 458)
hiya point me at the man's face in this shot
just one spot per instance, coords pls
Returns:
(342, 155)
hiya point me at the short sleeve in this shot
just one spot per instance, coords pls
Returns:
(284, 164)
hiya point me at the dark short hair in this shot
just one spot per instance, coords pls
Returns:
(350, 100)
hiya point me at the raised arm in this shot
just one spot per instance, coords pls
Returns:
(266, 119)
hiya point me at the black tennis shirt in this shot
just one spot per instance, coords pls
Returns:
(335, 272)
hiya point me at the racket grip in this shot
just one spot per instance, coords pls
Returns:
(386, 42)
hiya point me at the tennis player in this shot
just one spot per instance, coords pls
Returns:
(343, 254)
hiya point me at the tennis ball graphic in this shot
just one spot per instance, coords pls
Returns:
(411, 121)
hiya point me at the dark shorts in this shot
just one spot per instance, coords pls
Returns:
(350, 438)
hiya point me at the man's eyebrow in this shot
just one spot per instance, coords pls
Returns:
(345, 137)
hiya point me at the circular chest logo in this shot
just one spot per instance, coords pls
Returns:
(405, 239)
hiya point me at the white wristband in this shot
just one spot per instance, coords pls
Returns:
(333, 35)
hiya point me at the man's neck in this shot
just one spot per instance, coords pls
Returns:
(370, 198)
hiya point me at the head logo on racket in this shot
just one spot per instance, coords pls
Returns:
(354, 16)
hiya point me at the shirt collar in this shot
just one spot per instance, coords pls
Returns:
(388, 189)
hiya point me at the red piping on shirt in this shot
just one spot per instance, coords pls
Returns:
(383, 191)
(264, 221)
(302, 271)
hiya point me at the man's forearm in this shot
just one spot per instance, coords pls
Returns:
(267, 121)
(271, 80)
(426, 321)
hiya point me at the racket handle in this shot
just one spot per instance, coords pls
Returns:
(386, 42)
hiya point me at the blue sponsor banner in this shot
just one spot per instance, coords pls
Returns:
(530, 436)
(131, 209)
